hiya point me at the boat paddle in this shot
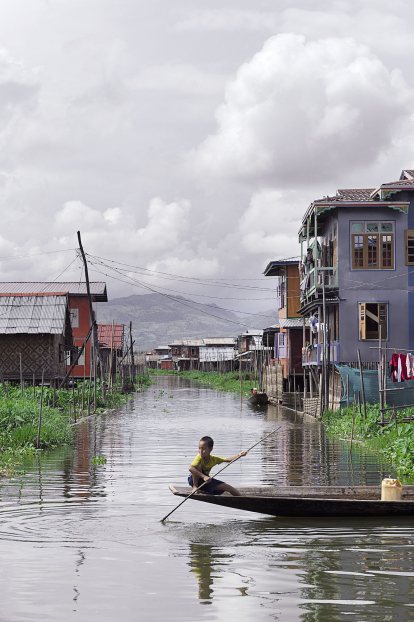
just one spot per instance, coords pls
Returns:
(225, 467)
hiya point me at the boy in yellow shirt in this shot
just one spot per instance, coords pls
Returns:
(201, 466)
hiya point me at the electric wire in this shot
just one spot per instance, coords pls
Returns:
(174, 299)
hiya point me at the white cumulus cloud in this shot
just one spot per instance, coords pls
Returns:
(303, 109)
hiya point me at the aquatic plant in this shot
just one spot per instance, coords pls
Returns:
(98, 460)
(395, 442)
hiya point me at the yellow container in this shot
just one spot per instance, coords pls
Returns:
(391, 490)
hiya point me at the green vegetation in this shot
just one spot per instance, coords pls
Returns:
(19, 417)
(98, 460)
(397, 444)
(229, 381)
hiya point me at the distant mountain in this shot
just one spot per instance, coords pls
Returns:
(158, 320)
(264, 319)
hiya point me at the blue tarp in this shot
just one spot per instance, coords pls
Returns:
(399, 398)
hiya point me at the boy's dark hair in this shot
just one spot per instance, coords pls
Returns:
(208, 440)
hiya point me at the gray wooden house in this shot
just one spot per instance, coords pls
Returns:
(36, 330)
(359, 245)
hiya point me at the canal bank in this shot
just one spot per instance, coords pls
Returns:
(86, 541)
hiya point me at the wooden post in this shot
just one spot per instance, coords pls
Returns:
(5, 387)
(131, 367)
(83, 395)
(380, 379)
(90, 387)
(361, 375)
(324, 362)
(353, 419)
(359, 402)
(73, 396)
(95, 362)
(304, 384)
(34, 392)
(21, 374)
(395, 419)
(110, 383)
(40, 411)
(347, 391)
(240, 369)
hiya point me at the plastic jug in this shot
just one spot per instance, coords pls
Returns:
(391, 490)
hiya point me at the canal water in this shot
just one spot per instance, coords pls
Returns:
(86, 543)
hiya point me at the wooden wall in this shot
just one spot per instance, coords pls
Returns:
(39, 352)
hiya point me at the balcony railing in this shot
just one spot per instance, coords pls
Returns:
(314, 279)
(313, 355)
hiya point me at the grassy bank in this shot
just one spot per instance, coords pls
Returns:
(397, 445)
(19, 417)
(223, 382)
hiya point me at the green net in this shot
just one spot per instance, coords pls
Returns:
(399, 398)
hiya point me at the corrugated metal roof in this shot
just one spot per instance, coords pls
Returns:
(292, 322)
(106, 336)
(33, 314)
(187, 342)
(219, 341)
(98, 289)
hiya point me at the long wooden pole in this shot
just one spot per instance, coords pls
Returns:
(215, 475)
(353, 419)
(40, 412)
(362, 384)
(21, 373)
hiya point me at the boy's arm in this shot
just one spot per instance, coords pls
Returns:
(194, 471)
(242, 453)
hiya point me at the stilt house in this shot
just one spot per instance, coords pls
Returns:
(35, 337)
(79, 309)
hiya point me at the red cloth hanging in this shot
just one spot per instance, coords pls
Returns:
(404, 375)
(394, 367)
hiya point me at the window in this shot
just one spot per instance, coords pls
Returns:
(81, 359)
(372, 317)
(281, 342)
(193, 351)
(280, 295)
(74, 318)
(372, 245)
(409, 247)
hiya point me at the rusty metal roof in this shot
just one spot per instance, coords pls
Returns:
(98, 290)
(106, 336)
(33, 314)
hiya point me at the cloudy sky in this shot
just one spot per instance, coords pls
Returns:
(189, 137)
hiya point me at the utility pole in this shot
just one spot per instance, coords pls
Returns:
(91, 312)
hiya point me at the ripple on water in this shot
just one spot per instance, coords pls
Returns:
(107, 554)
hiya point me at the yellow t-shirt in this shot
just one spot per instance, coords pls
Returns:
(198, 462)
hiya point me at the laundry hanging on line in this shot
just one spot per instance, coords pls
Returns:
(402, 367)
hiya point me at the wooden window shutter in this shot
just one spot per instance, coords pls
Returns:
(409, 247)
(387, 251)
(362, 317)
(383, 320)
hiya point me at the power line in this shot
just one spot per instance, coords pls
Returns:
(11, 257)
(174, 299)
(192, 280)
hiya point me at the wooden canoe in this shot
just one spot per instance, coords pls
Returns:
(258, 399)
(311, 501)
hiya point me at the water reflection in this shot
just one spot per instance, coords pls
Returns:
(64, 511)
